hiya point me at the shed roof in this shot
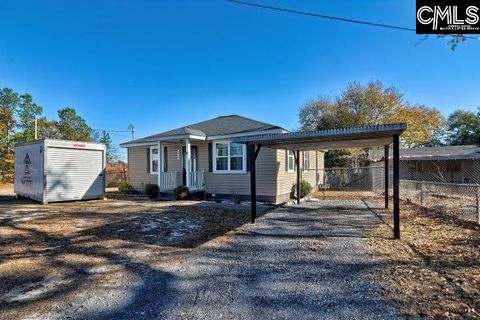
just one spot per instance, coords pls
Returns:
(433, 153)
(341, 138)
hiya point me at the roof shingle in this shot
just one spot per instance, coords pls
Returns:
(220, 126)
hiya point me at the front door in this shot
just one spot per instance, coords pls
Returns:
(193, 150)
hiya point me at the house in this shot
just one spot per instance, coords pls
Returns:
(202, 157)
(451, 164)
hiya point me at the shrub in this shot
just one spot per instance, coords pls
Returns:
(152, 191)
(181, 193)
(124, 187)
(305, 188)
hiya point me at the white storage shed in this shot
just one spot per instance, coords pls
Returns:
(57, 170)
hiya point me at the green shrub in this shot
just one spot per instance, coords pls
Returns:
(305, 188)
(181, 193)
(124, 187)
(152, 191)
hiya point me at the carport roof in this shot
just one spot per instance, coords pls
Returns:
(341, 138)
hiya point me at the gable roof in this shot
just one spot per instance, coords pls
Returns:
(220, 126)
(433, 153)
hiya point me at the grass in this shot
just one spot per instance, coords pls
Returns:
(434, 270)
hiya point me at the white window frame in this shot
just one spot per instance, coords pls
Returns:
(160, 160)
(228, 171)
(151, 160)
(306, 161)
(291, 156)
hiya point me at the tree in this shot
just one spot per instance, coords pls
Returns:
(356, 106)
(463, 127)
(27, 111)
(372, 104)
(424, 124)
(48, 129)
(319, 114)
(9, 101)
(72, 126)
(111, 150)
(366, 105)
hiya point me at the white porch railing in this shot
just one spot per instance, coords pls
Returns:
(167, 180)
(196, 180)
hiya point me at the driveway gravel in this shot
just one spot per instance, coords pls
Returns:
(146, 260)
(305, 261)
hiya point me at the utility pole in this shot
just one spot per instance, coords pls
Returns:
(131, 128)
(36, 127)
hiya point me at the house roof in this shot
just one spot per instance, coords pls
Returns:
(341, 138)
(220, 126)
(433, 153)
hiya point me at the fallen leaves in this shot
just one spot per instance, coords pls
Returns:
(434, 270)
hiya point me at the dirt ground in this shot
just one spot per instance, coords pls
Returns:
(52, 256)
(345, 194)
(434, 270)
(6, 189)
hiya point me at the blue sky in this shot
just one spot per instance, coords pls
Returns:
(164, 64)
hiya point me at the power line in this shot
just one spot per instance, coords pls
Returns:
(130, 129)
(311, 14)
(322, 16)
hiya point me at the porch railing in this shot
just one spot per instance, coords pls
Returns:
(168, 180)
(196, 180)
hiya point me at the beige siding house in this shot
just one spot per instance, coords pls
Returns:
(202, 157)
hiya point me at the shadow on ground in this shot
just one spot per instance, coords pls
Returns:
(99, 258)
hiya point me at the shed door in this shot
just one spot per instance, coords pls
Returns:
(74, 174)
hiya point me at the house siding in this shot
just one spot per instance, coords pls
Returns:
(239, 184)
(274, 183)
(175, 160)
(285, 179)
(137, 168)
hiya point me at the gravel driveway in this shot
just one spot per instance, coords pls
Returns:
(301, 262)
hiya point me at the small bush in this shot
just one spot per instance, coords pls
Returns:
(305, 188)
(152, 191)
(124, 187)
(181, 193)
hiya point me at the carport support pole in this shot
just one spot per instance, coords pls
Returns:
(396, 186)
(253, 182)
(386, 175)
(297, 160)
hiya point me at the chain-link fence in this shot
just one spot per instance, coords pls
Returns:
(348, 178)
(462, 200)
(450, 186)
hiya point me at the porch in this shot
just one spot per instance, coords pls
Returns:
(176, 163)
(167, 181)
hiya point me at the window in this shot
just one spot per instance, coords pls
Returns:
(230, 157)
(153, 160)
(306, 160)
(290, 161)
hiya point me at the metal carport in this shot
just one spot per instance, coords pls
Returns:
(341, 138)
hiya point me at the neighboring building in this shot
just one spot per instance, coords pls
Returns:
(453, 164)
(217, 166)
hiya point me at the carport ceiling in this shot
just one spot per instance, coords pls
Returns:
(357, 137)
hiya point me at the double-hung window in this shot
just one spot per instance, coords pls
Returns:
(155, 162)
(290, 161)
(229, 157)
(306, 160)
